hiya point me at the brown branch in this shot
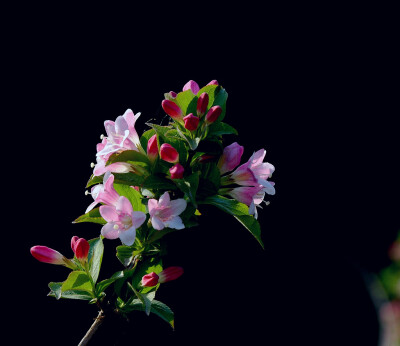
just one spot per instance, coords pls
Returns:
(92, 330)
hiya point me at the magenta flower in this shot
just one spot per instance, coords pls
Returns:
(168, 274)
(202, 104)
(172, 109)
(230, 158)
(122, 221)
(80, 247)
(164, 212)
(213, 114)
(168, 153)
(191, 122)
(47, 255)
(177, 171)
(104, 193)
(152, 148)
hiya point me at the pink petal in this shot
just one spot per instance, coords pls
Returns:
(164, 200)
(178, 206)
(257, 158)
(108, 213)
(157, 223)
(124, 205)
(110, 127)
(175, 222)
(109, 232)
(128, 237)
(152, 205)
(138, 218)
(193, 86)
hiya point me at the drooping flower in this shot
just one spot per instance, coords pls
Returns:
(121, 135)
(122, 221)
(80, 247)
(104, 193)
(177, 171)
(168, 153)
(165, 213)
(168, 274)
(230, 158)
(47, 255)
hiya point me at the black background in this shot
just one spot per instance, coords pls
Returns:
(315, 91)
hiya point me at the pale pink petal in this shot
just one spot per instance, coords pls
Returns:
(128, 237)
(124, 205)
(108, 231)
(263, 170)
(193, 86)
(118, 167)
(244, 176)
(244, 194)
(164, 200)
(91, 206)
(138, 218)
(108, 213)
(152, 205)
(110, 127)
(157, 223)
(258, 157)
(96, 189)
(178, 206)
(99, 169)
(268, 187)
(121, 125)
(175, 222)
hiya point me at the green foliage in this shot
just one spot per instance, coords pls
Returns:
(102, 285)
(92, 216)
(189, 186)
(95, 257)
(55, 291)
(132, 195)
(220, 128)
(79, 281)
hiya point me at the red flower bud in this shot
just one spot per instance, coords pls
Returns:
(206, 158)
(152, 148)
(172, 109)
(177, 171)
(213, 82)
(191, 122)
(80, 247)
(171, 273)
(202, 104)
(213, 114)
(170, 96)
(47, 255)
(168, 153)
(150, 280)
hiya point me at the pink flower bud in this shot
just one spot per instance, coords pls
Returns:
(172, 109)
(150, 280)
(213, 114)
(193, 86)
(170, 96)
(213, 82)
(202, 104)
(168, 153)
(230, 158)
(177, 171)
(152, 148)
(80, 247)
(47, 255)
(170, 273)
(206, 158)
(191, 122)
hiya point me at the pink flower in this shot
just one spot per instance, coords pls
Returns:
(230, 158)
(168, 153)
(104, 193)
(117, 167)
(152, 148)
(122, 221)
(172, 109)
(164, 212)
(168, 274)
(150, 280)
(47, 255)
(213, 82)
(245, 194)
(191, 85)
(177, 171)
(202, 104)
(213, 114)
(80, 247)
(191, 122)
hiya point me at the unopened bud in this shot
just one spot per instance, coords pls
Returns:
(213, 82)
(170, 96)
(168, 153)
(170, 273)
(150, 280)
(177, 171)
(193, 86)
(80, 247)
(202, 104)
(213, 114)
(47, 255)
(152, 148)
(191, 122)
(172, 109)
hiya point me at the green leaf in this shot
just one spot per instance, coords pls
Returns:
(219, 129)
(92, 216)
(229, 206)
(132, 195)
(143, 298)
(95, 257)
(185, 101)
(93, 180)
(211, 90)
(130, 179)
(153, 264)
(156, 182)
(55, 291)
(189, 186)
(125, 254)
(102, 285)
(129, 155)
(158, 308)
(220, 100)
(145, 138)
(252, 225)
(78, 281)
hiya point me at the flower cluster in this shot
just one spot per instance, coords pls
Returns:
(144, 187)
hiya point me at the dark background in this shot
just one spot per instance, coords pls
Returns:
(317, 92)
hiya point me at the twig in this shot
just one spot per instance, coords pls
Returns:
(92, 330)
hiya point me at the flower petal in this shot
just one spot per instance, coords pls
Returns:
(152, 205)
(108, 231)
(257, 158)
(175, 222)
(138, 218)
(128, 237)
(108, 213)
(124, 205)
(178, 206)
(157, 223)
(164, 200)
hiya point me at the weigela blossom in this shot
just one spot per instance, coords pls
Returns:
(230, 158)
(121, 135)
(152, 148)
(165, 213)
(48, 255)
(177, 171)
(172, 109)
(122, 221)
(104, 193)
(168, 274)
(169, 153)
(80, 247)
(191, 122)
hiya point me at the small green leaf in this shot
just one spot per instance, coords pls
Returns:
(55, 291)
(92, 216)
(93, 180)
(78, 281)
(129, 155)
(143, 298)
(132, 195)
(220, 100)
(125, 254)
(211, 91)
(184, 100)
(229, 206)
(95, 257)
(156, 182)
(102, 285)
(252, 225)
(189, 186)
(130, 179)
(219, 129)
